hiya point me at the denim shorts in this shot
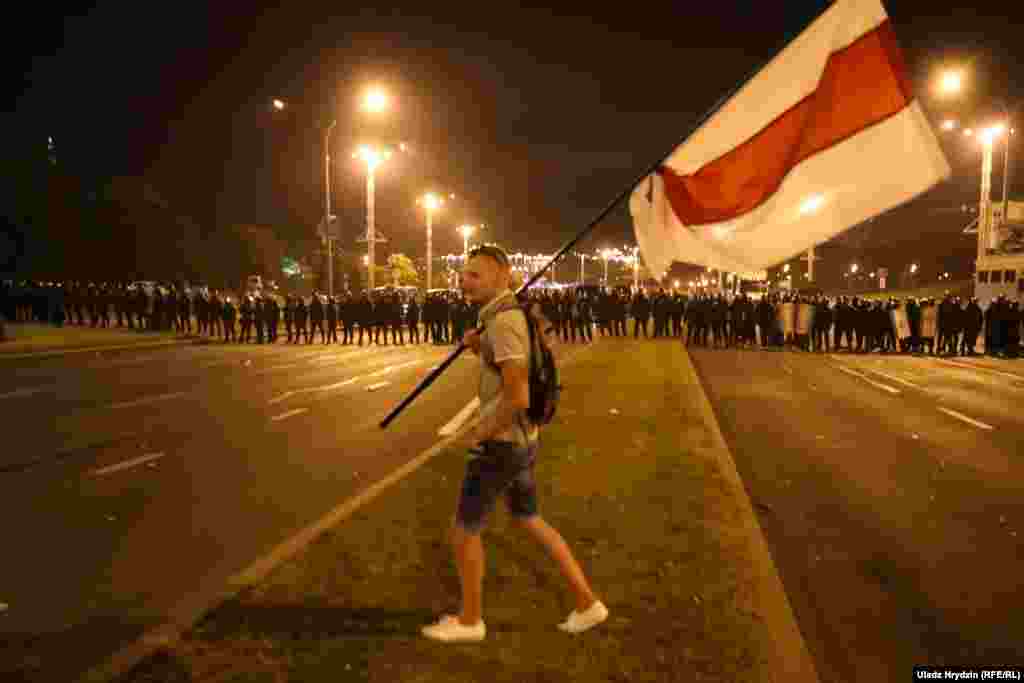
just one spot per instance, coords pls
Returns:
(499, 468)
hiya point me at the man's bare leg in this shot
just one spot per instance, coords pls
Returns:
(469, 560)
(558, 550)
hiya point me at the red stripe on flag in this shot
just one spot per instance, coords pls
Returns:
(862, 85)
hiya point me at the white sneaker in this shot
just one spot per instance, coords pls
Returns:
(448, 629)
(578, 622)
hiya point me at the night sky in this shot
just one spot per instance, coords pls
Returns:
(534, 118)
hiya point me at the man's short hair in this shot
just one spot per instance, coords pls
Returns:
(495, 253)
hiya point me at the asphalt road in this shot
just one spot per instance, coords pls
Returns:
(891, 493)
(240, 447)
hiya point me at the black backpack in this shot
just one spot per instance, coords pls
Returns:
(545, 383)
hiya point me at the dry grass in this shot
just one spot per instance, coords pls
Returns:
(647, 512)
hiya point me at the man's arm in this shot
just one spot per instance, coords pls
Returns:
(515, 397)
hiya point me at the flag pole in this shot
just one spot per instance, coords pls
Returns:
(653, 168)
(436, 372)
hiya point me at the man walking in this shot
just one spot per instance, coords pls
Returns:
(503, 459)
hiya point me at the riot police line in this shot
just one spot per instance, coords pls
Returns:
(823, 324)
(814, 323)
(251, 317)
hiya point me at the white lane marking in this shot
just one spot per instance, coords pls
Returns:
(394, 367)
(460, 418)
(969, 366)
(884, 387)
(894, 378)
(968, 420)
(338, 385)
(126, 464)
(146, 400)
(290, 413)
(256, 572)
(28, 391)
(282, 366)
(378, 385)
(343, 356)
(328, 387)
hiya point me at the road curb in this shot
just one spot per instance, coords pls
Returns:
(86, 349)
(793, 661)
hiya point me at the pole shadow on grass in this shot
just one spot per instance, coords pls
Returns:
(303, 621)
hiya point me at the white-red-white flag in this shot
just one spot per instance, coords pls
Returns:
(827, 135)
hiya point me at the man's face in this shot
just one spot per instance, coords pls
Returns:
(483, 279)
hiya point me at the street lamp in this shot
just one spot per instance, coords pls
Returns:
(636, 268)
(375, 100)
(605, 253)
(466, 231)
(431, 203)
(372, 157)
(987, 137)
(951, 82)
(280, 105)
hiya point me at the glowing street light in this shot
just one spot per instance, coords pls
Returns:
(278, 104)
(913, 268)
(466, 231)
(948, 124)
(605, 253)
(375, 100)
(854, 268)
(951, 82)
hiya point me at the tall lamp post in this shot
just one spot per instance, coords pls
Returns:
(375, 100)
(636, 269)
(466, 231)
(605, 253)
(950, 84)
(281, 105)
(327, 208)
(372, 157)
(431, 203)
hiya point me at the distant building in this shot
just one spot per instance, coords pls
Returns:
(1000, 263)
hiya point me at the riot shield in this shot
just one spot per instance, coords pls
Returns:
(929, 322)
(786, 318)
(804, 318)
(900, 322)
